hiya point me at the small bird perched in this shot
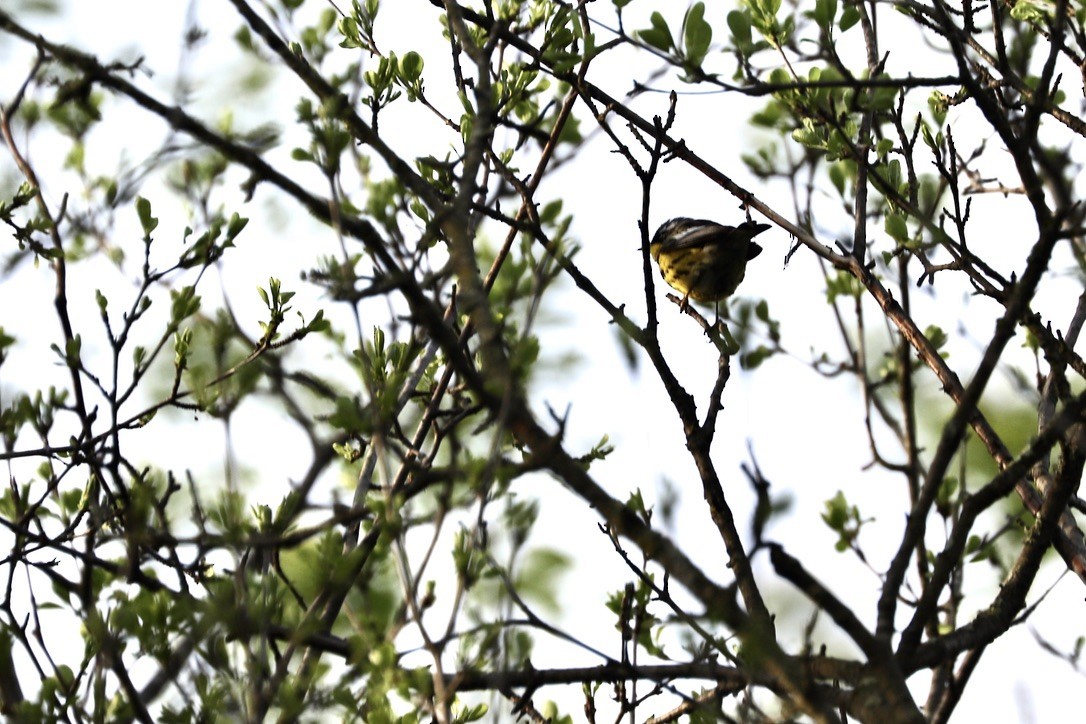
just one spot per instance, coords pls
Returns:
(704, 260)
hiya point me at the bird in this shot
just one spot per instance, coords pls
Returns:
(703, 260)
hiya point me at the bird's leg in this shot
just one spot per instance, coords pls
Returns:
(685, 303)
(745, 204)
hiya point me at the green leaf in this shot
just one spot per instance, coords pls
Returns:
(72, 347)
(349, 417)
(739, 24)
(6, 341)
(939, 104)
(849, 17)
(838, 177)
(636, 503)
(945, 497)
(843, 519)
(659, 35)
(319, 323)
(183, 304)
(842, 284)
(897, 228)
(1025, 11)
(148, 222)
(754, 358)
(824, 13)
(893, 174)
(411, 66)
(234, 226)
(463, 715)
(883, 98)
(936, 336)
(697, 34)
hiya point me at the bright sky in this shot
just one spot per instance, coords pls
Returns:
(802, 429)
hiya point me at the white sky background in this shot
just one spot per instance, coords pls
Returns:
(803, 429)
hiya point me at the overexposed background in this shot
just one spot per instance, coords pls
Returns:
(806, 432)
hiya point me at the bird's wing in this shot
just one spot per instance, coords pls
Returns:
(699, 234)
